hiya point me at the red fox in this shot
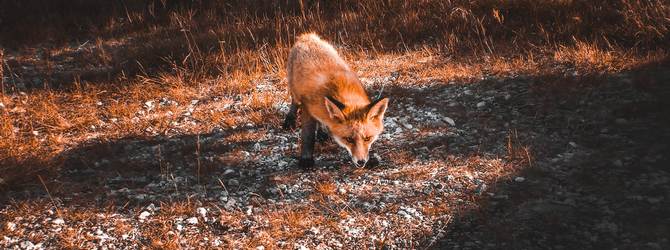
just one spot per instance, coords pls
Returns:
(330, 94)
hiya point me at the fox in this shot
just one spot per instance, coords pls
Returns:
(330, 97)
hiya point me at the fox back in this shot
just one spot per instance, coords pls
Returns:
(324, 87)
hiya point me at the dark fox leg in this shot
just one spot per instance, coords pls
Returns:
(307, 134)
(289, 122)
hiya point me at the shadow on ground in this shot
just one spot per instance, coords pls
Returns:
(597, 176)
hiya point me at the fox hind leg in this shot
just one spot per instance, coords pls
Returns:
(290, 120)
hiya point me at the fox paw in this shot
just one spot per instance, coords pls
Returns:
(306, 163)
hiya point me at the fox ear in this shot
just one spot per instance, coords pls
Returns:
(334, 108)
(377, 108)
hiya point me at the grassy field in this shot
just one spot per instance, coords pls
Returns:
(190, 95)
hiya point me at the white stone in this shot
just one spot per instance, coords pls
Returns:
(202, 212)
(192, 220)
(449, 120)
(144, 215)
(11, 226)
(228, 171)
(58, 221)
(481, 104)
(519, 179)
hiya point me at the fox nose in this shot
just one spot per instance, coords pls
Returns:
(361, 162)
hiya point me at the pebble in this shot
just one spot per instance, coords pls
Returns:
(228, 172)
(342, 191)
(144, 215)
(407, 125)
(481, 104)
(519, 179)
(202, 212)
(11, 226)
(449, 121)
(192, 220)
(620, 121)
(58, 221)
(27, 245)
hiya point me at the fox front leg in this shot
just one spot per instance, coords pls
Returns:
(307, 135)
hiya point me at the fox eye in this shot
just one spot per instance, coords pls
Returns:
(350, 140)
(367, 138)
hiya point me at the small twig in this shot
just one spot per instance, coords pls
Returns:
(197, 156)
(50, 197)
(223, 185)
(2, 78)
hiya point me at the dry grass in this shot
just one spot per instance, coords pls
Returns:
(194, 50)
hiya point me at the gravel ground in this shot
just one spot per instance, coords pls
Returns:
(501, 163)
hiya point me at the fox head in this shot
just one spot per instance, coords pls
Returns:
(356, 128)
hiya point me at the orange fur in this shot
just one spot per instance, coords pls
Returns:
(315, 72)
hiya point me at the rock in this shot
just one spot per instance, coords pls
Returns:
(27, 245)
(152, 208)
(573, 144)
(230, 205)
(202, 212)
(620, 121)
(481, 188)
(149, 104)
(144, 215)
(228, 172)
(342, 191)
(519, 179)
(192, 220)
(449, 121)
(11, 226)
(481, 104)
(233, 182)
(58, 221)
(407, 125)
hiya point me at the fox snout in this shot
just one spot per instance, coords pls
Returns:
(360, 157)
